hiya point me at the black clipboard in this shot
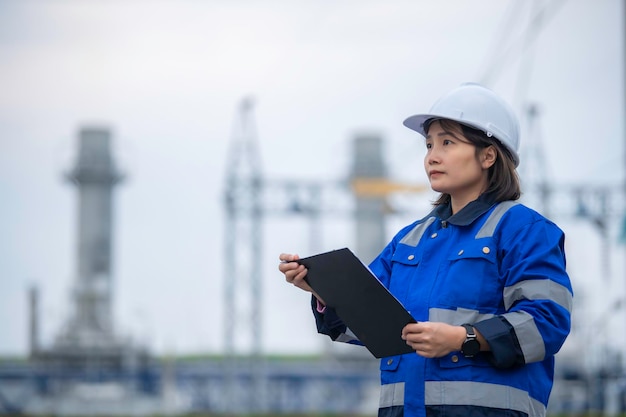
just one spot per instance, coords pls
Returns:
(364, 304)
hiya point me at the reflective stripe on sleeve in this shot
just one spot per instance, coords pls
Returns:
(347, 337)
(456, 317)
(526, 330)
(528, 335)
(538, 289)
(392, 395)
(483, 395)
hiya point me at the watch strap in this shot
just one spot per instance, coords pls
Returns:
(471, 345)
(470, 330)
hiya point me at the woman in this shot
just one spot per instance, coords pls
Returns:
(483, 275)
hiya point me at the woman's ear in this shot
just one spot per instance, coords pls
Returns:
(488, 156)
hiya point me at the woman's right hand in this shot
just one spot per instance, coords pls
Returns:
(295, 272)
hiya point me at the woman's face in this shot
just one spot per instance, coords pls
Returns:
(452, 165)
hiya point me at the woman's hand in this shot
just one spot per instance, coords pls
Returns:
(433, 339)
(295, 273)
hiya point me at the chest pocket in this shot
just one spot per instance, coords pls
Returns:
(472, 279)
(404, 265)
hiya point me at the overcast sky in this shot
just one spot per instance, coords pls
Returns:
(167, 78)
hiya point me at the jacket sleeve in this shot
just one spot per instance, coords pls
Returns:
(328, 322)
(537, 296)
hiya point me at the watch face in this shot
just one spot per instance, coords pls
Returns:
(470, 347)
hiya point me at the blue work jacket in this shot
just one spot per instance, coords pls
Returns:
(497, 266)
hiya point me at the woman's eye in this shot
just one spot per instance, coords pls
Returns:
(447, 141)
(429, 145)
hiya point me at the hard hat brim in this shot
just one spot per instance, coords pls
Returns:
(418, 123)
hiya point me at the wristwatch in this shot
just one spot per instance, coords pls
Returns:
(471, 346)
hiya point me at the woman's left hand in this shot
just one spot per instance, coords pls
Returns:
(433, 339)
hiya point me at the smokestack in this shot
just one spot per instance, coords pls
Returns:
(94, 175)
(88, 341)
(368, 168)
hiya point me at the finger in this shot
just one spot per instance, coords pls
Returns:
(298, 280)
(290, 276)
(288, 257)
(301, 273)
(293, 271)
(286, 266)
(415, 346)
(408, 329)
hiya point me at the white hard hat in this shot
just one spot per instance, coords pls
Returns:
(476, 106)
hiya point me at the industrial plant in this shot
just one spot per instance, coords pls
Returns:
(93, 365)
(92, 369)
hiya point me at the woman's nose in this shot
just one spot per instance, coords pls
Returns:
(432, 157)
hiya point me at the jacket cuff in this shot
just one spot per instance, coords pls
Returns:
(505, 348)
(327, 322)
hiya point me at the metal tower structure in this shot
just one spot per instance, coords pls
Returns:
(243, 292)
(534, 172)
(249, 198)
(242, 199)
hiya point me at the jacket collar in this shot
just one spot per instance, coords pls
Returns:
(467, 214)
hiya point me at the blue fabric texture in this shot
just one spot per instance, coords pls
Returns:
(512, 285)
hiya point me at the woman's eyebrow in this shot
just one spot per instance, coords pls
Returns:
(440, 134)
(445, 133)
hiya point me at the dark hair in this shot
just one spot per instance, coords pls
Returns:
(503, 182)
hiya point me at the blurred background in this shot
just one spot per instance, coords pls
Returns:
(157, 156)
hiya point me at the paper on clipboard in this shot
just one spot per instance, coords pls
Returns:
(369, 310)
